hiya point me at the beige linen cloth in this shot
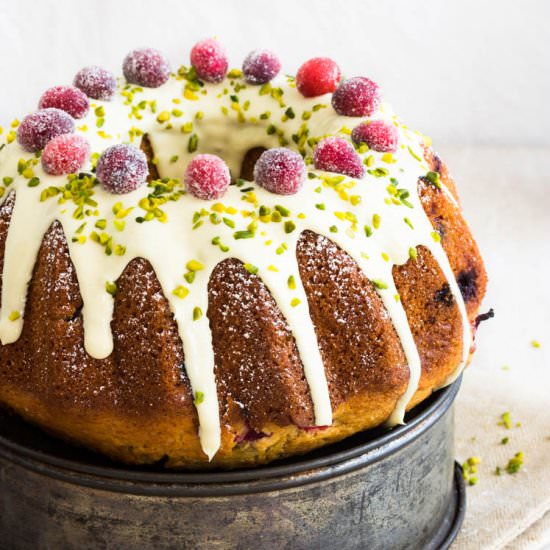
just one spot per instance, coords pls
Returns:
(506, 198)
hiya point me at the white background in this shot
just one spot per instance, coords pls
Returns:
(461, 71)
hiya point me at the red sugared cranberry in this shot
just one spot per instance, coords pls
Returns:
(38, 128)
(96, 82)
(261, 66)
(67, 98)
(280, 171)
(379, 135)
(122, 168)
(318, 76)
(334, 154)
(65, 154)
(358, 96)
(146, 67)
(209, 59)
(207, 177)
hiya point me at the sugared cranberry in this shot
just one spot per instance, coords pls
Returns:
(379, 135)
(209, 59)
(38, 128)
(318, 76)
(122, 168)
(65, 154)
(146, 67)
(358, 96)
(207, 177)
(334, 154)
(67, 98)
(261, 66)
(280, 171)
(96, 82)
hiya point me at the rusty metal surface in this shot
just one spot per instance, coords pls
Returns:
(397, 490)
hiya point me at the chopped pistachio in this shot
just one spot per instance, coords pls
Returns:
(246, 234)
(197, 313)
(199, 397)
(194, 265)
(515, 463)
(290, 226)
(251, 268)
(180, 291)
(193, 143)
(380, 285)
(14, 316)
(111, 288)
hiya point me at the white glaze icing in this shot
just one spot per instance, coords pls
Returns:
(169, 245)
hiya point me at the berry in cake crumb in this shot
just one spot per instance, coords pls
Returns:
(318, 76)
(261, 66)
(357, 96)
(207, 177)
(209, 59)
(65, 154)
(280, 171)
(38, 128)
(146, 67)
(96, 82)
(379, 135)
(122, 168)
(67, 98)
(335, 154)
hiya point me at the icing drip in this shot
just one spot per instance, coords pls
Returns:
(256, 227)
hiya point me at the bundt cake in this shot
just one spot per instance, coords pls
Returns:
(219, 268)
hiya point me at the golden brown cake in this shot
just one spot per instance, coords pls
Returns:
(152, 323)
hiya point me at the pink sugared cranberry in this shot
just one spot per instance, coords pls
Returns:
(67, 98)
(335, 154)
(65, 154)
(122, 168)
(318, 76)
(358, 96)
(379, 135)
(38, 128)
(96, 82)
(146, 67)
(207, 177)
(261, 66)
(280, 171)
(209, 59)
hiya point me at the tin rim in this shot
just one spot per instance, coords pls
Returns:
(85, 468)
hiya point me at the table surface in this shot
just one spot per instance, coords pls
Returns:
(506, 198)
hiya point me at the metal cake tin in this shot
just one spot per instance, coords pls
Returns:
(376, 490)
